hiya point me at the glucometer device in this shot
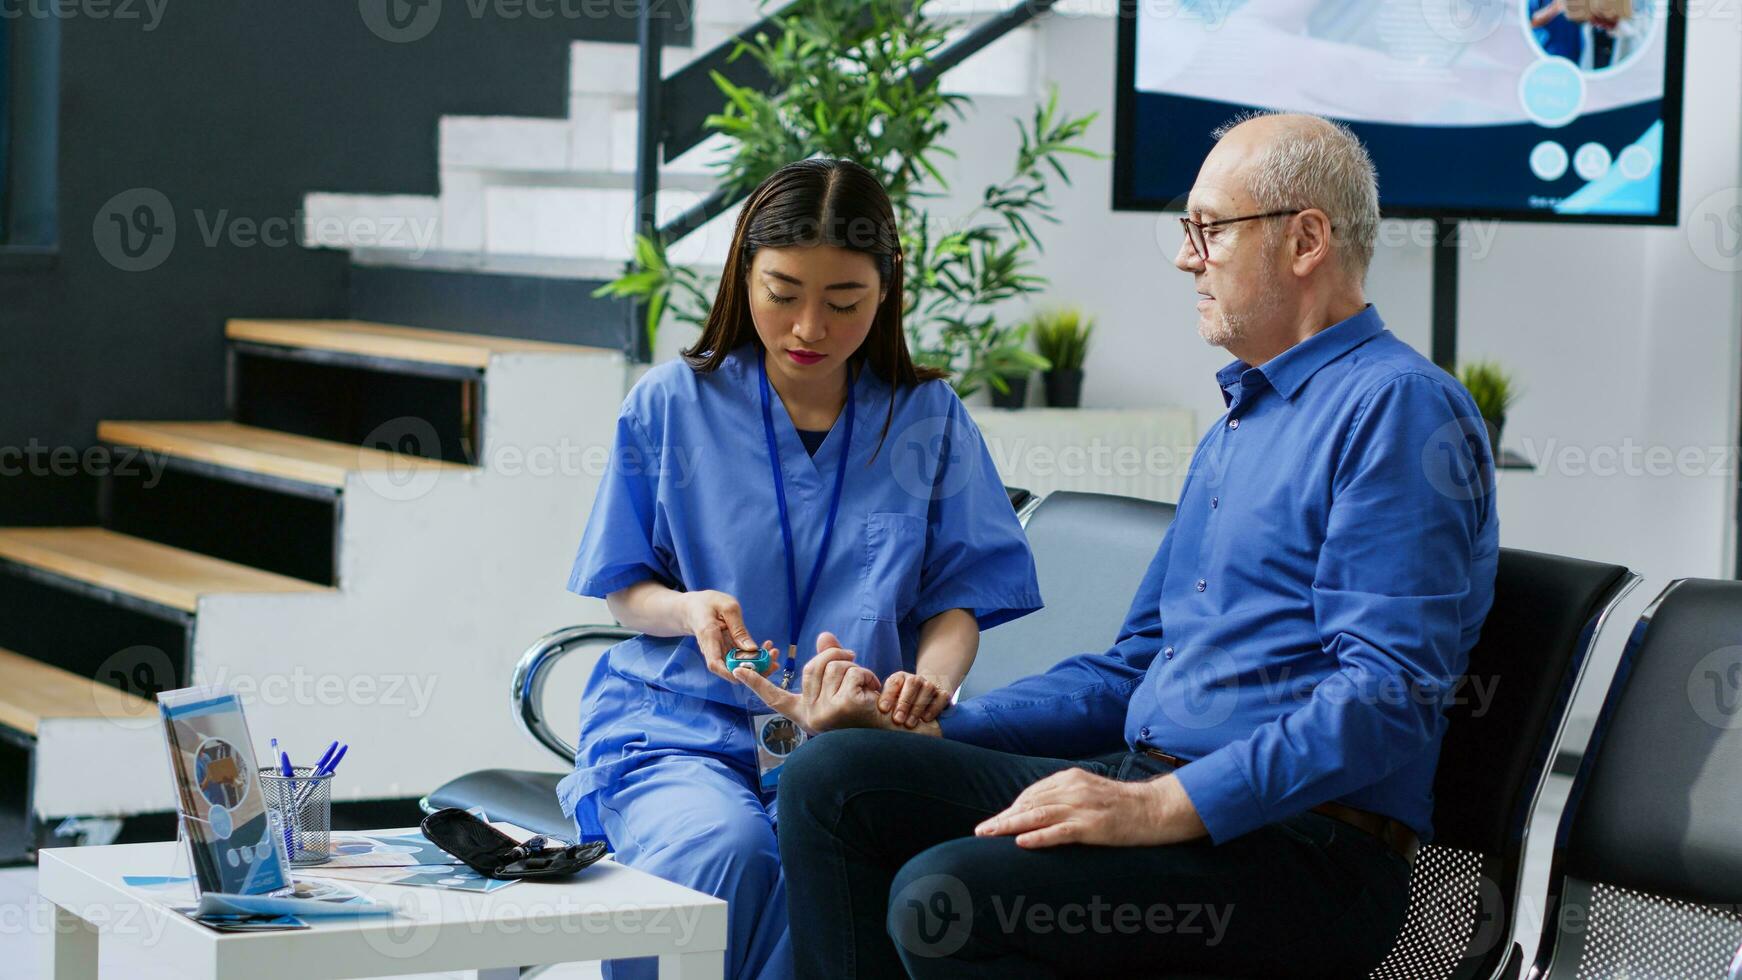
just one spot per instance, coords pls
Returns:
(758, 660)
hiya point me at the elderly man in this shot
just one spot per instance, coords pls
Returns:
(1275, 695)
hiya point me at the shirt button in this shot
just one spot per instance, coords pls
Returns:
(1143, 732)
(1168, 653)
(1233, 423)
(1201, 585)
(1214, 501)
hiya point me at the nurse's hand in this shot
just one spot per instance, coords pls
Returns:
(912, 699)
(833, 693)
(717, 622)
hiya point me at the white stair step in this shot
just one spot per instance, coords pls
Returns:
(598, 138)
(591, 223)
(399, 221)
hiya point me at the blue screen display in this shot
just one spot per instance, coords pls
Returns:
(1528, 109)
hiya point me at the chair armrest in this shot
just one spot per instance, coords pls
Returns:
(527, 688)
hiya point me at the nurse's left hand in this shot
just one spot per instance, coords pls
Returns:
(913, 699)
(1075, 806)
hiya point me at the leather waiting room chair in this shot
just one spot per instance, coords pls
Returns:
(1647, 870)
(1504, 727)
(1091, 550)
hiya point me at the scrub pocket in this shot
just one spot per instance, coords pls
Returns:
(894, 549)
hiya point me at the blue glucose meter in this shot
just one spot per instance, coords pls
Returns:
(759, 660)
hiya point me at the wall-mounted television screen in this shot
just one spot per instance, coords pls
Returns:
(1533, 110)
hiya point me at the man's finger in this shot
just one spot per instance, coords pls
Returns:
(1063, 832)
(814, 685)
(826, 641)
(833, 672)
(1022, 821)
(785, 702)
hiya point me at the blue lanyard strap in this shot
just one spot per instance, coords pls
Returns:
(796, 607)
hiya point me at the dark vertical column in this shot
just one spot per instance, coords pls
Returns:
(1445, 294)
(650, 34)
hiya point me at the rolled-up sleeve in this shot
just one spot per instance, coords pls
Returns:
(1388, 594)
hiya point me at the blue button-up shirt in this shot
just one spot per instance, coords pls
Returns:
(1311, 606)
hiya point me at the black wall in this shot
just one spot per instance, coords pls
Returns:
(234, 110)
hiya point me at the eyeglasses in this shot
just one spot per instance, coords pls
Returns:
(1195, 229)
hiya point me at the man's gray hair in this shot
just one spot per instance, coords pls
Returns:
(1320, 164)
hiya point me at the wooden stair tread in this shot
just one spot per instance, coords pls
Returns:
(137, 567)
(391, 341)
(31, 691)
(268, 451)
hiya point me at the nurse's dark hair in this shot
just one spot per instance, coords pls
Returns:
(816, 202)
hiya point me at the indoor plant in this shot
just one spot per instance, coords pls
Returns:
(1063, 339)
(846, 83)
(1494, 390)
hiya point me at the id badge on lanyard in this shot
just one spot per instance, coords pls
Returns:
(777, 736)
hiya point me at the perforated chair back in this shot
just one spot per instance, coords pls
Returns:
(1090, 552)
(1647, 874)
(1505, 719)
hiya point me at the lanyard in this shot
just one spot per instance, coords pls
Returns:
(796, 607)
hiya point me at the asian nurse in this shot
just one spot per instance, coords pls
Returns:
(794, 483)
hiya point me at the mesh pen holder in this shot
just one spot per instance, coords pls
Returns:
(303, 805)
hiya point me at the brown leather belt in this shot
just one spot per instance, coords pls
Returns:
(1394, 834)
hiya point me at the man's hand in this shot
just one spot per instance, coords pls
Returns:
(1078, 807)
(833, 692)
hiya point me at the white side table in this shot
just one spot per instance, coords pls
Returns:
(607, 912)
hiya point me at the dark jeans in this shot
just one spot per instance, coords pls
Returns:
(885, 878)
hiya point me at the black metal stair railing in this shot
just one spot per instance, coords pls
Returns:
(671, 114)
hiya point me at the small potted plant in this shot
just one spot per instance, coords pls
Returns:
(1009, 365)
(1063, 339)
(1494, 391)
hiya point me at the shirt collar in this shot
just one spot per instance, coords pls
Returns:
(1289, 370)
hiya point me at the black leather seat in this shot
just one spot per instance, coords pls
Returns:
(1646, 878)
(1504, 725)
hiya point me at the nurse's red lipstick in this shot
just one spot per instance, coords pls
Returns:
(805, 357)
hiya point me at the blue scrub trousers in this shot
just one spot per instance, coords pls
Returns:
(697, 821)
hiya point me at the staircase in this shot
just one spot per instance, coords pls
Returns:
(554, 197)
(357, 551)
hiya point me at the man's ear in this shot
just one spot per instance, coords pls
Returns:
(1312, 240)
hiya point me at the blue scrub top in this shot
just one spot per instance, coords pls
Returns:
(924, 526)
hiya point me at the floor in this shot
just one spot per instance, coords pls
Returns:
(22, 915)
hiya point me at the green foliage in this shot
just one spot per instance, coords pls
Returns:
(1494, 389)
(844, 86)
(1063, 337)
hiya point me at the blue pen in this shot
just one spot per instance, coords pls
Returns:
(325, 768)
(289, 772)
(328, 754)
